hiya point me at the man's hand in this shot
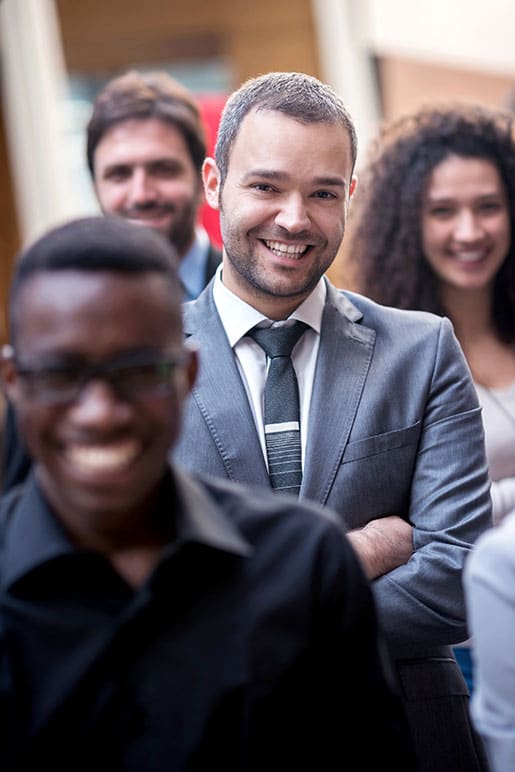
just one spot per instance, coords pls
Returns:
(382, 544)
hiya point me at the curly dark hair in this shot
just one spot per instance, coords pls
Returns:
(384, 241)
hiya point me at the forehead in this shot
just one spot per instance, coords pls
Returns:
(456, 176)
(129, 140)
(96, 312)
(274, 141)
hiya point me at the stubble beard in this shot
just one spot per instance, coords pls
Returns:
(182, 231)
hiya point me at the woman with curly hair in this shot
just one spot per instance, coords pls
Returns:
(432, 229)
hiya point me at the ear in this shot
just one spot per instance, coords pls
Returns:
(211, 180)
(353, 184)
(8, 375)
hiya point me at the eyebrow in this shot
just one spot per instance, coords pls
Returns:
(267, 174)
(116, 165)
(479, 197)
(130, 164)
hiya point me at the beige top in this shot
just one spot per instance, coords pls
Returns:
(499, 422)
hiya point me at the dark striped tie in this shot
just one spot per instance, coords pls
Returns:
(281, 406)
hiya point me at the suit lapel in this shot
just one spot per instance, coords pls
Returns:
(220, 394)
(344, 358)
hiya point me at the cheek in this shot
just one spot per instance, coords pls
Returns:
(111, 197)
(37, 426)
(184, 191)
(502, 232)
(242, 213)
(334, 223)
(162, 417)
(433, 238)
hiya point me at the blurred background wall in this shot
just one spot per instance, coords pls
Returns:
(385, 57)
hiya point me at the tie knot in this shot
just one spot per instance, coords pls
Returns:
(278, 341)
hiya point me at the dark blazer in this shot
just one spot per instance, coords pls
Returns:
(395, 428)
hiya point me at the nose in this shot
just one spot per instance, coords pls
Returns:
(142, 188)
(467, 227)
(293, 214)
(100, 408)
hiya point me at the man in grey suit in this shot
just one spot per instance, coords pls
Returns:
(390, 427)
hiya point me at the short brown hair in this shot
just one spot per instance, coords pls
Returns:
(295, 94)
(135, 95)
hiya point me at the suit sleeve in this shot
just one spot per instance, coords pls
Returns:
(450, 507)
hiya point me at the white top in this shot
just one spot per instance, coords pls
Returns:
(489, 580)
(499, 422)
(239, 317)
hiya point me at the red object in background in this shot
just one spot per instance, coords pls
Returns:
(211, 105)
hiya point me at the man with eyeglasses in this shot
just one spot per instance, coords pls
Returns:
(152, 619)
(145, 144)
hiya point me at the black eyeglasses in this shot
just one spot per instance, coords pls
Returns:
(132, 376)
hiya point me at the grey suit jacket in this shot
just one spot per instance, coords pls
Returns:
(395, 428)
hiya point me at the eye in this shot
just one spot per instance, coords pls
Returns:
(117, 174)
(325, 195)
(166, 169)
(441, 212)
(262, 187)
(52, 380)
(490, 207)
(136, 379)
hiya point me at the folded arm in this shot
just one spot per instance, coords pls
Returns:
(382, 545)
(450, 506)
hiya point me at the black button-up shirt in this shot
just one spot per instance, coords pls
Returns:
(256, 619)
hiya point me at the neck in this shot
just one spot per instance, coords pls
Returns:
(183, 249)
(275, 307)
(470, 312)
(113, 529)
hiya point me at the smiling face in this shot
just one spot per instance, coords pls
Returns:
(466, 229)
(100, 455)
(143, 172)
(283, 207)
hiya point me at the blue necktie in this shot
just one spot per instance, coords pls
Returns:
(281, 406)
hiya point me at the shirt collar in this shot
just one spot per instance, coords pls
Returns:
(192, 267)
(200, 519)
(238, 317)
(35, 536)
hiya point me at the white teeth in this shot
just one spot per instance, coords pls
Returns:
(469, 257)
(286, 249)
(106, 458)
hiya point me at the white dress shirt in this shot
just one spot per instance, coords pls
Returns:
(238, 318)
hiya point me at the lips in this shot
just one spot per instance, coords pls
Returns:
(472, 256)
(103, 458)
(279, 248)
(148, 214)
